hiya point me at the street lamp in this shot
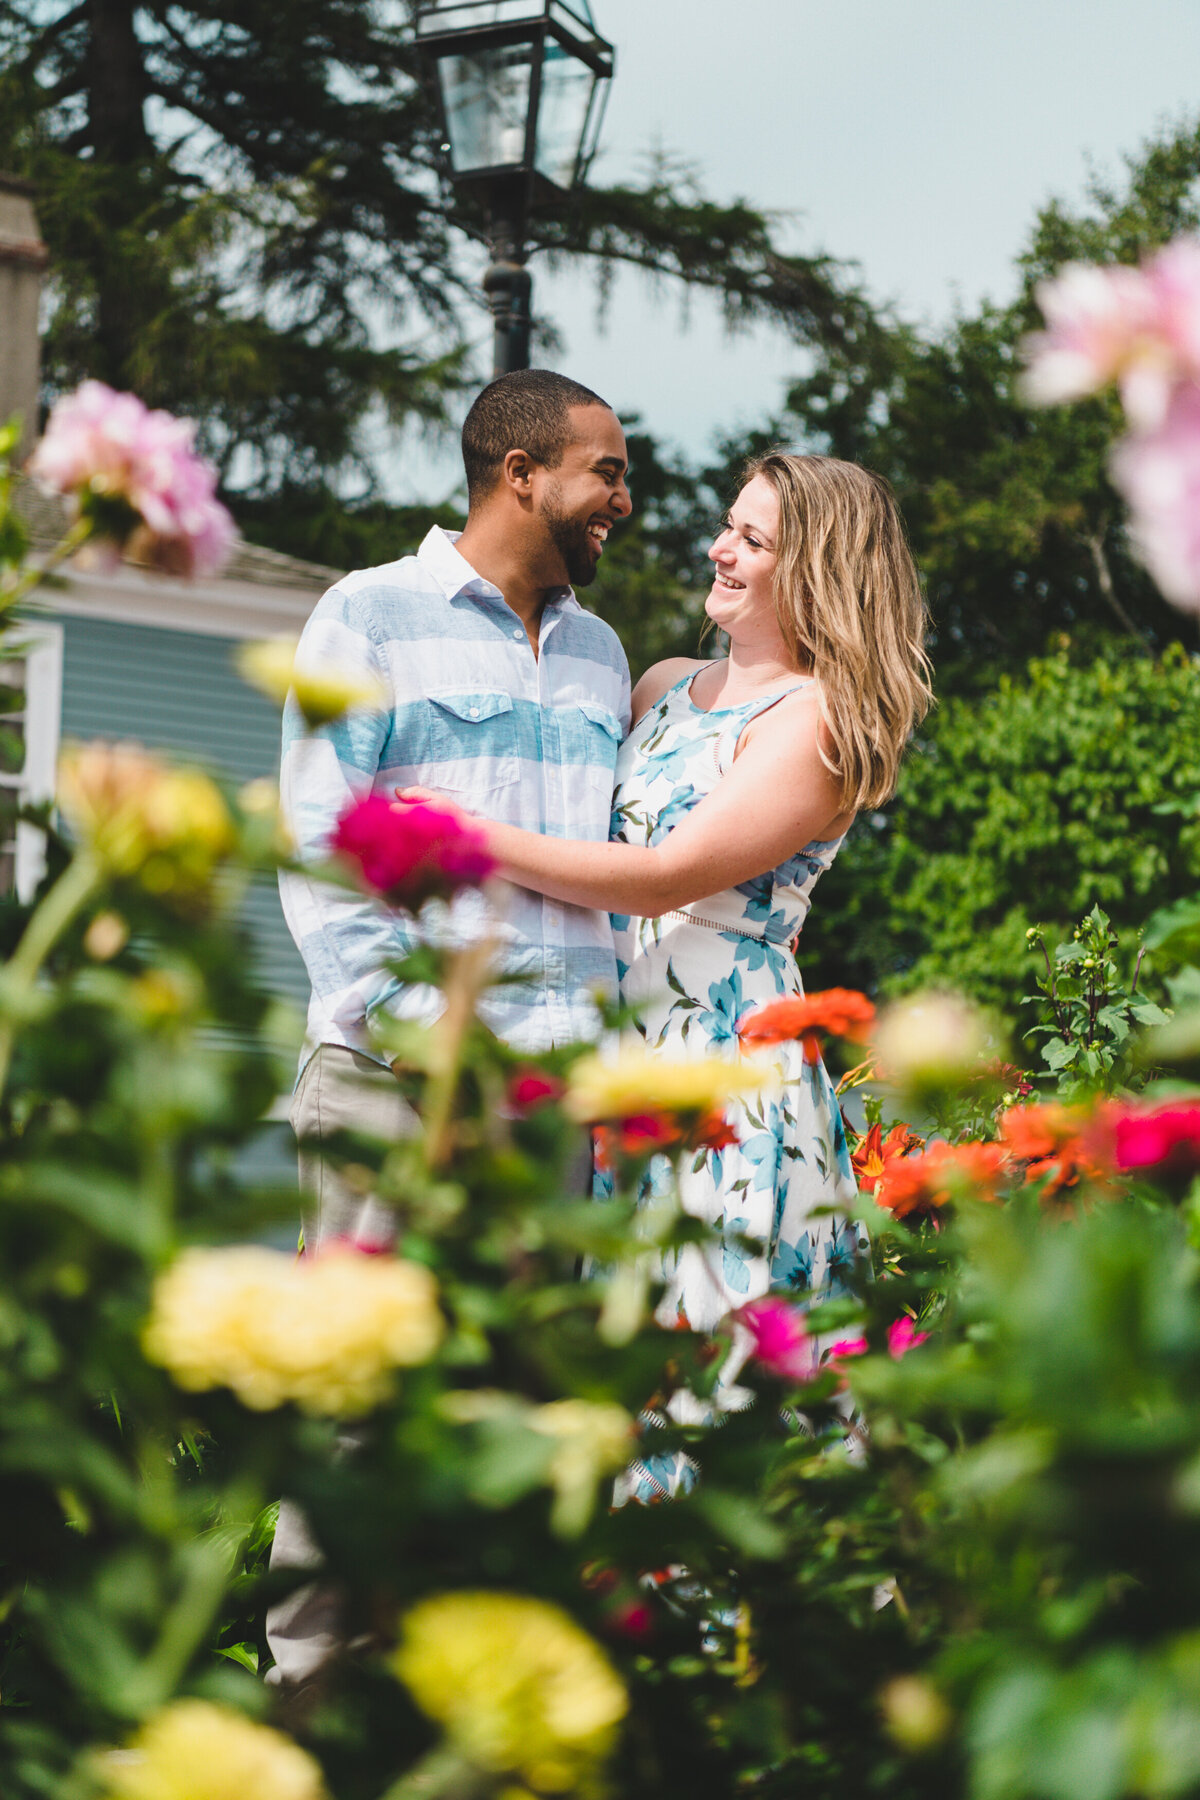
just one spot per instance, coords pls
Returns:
(522, 86)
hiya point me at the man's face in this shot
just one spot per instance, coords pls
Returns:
(580, 500)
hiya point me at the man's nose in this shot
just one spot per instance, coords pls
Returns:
(622, 502)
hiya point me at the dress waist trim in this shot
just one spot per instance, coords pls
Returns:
(691, 918)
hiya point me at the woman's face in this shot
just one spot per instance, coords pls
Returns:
(741, 600)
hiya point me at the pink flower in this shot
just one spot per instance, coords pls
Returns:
(781, 1340)
(1100, 329)
(1158, 472)
(845, 1347)
(135, 474)
(411, 854)
(1165, 1138)
(902, 1337)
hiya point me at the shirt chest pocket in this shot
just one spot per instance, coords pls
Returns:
(592, 735)
(472, 741)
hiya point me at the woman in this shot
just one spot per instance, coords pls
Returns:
(734, 791)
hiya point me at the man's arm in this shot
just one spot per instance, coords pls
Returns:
(344, 940)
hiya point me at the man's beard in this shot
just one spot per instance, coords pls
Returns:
(570, 538)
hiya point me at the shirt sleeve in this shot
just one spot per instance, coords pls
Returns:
(345, 940)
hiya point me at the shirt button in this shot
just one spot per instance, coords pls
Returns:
(474, 712)
(518, 633)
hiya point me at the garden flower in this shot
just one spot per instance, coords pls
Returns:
(326, 1332)
(781, 1341)
(193, 1750)
(838, 1012)
(1048, 1140)
(1100, 324)
(875, 1152)
(930, 1041)
(135, 475)
(636, 1083)
(411, 854)
(530, 1088)
(918, 1186)
(901, 1338)
(322, 694)
(518, 1688)
(1158, 1139)
(592, 1439)
(141, 819)
(1158, 472)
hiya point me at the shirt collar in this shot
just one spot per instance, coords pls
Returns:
(454, 575)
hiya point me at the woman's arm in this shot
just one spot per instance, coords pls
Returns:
(777, 797)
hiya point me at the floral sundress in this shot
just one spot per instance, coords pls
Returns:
(690, 976)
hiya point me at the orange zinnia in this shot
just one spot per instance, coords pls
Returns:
(1049, 1141)
(916, 1186)
(875, 1152)
(838, 1012)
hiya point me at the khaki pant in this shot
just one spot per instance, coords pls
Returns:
(338, 1091)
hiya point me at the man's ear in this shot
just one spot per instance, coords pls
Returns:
(518, 472)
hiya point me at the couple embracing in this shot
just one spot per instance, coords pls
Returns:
(670, 839)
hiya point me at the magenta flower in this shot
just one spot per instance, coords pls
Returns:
(410, 854)
(837, 1353)
(1164, 1138)
(135, 474)
(781, 1340)
(902, 1337)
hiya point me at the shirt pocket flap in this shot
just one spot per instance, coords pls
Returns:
(473, 706)
(596, 714)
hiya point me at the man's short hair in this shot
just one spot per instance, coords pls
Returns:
(528, 410)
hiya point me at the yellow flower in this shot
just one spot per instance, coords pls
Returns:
(932, 1040)
(193, 1750)
(592, 1439)
(322, 695)
(165, 828)
(327, 1332)
(516, 1685)
(637, 1081)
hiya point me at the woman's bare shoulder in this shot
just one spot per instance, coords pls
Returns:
(658, 678)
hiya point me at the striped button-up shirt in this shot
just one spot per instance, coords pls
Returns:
(470, 710)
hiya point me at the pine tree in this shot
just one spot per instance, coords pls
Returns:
(246, 221)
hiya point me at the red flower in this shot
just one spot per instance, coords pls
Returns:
(713, 1132)
(1162, 1138)
(529, 1088)
(916, 1186)
(410, 854)
(875, 1152)
(838, 1012)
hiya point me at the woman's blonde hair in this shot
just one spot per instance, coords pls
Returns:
(848, 601)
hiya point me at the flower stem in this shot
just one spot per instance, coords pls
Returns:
(33, 576)
(70, 893)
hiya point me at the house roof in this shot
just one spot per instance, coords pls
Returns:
(258, 592)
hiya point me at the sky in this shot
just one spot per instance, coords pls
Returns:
(915, 138)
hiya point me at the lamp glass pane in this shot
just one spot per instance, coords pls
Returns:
(486, 97)
(477, 13)
(562, 114)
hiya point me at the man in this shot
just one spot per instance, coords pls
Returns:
(503, 692)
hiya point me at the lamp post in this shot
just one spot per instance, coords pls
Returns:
(522, 86)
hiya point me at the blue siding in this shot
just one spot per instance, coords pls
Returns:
(178, 691)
